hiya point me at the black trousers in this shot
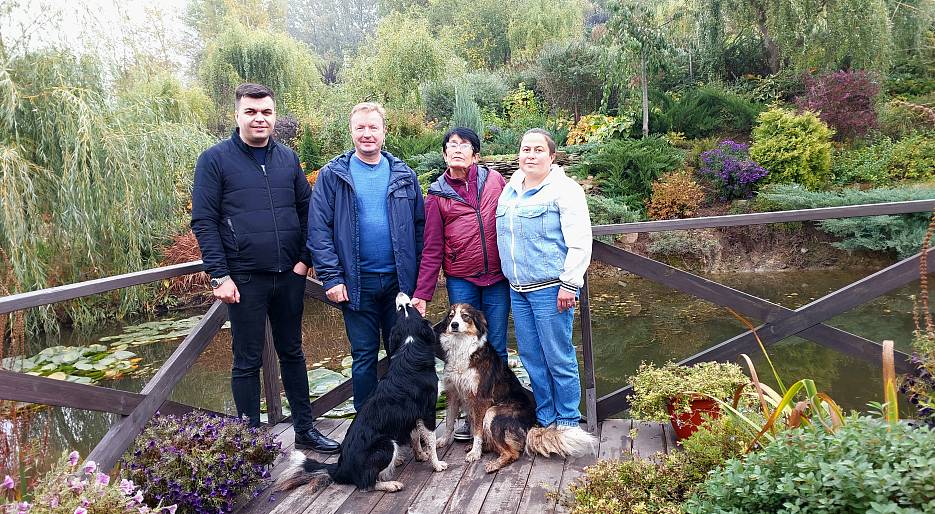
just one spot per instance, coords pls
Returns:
(279, 296)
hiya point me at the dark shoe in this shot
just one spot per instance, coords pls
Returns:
(312, 439)
(463, 433)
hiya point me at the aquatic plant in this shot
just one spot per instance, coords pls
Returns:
(80, 364)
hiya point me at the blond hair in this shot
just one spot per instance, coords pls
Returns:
(368, 107)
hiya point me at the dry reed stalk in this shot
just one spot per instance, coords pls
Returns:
(926, 314)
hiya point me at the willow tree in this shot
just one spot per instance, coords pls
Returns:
(91, 183)
(537, 23)
(240, 54)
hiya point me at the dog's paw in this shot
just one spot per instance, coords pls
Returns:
(471, 456)
(440, 466)
(492, 466)
(421, 456)
(389, 487)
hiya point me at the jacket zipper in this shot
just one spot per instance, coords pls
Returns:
(230, 224)
(272, 209)
(480, 223)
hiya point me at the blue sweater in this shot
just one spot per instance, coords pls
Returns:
(376, 248)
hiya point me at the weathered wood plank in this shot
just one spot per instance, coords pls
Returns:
(20, 387)
(437, 491)
(590, 387)
(101, 285)
(669, 438)
(507, 489)
(285, 436)
(615, 439)
(575, 467)
(122, 433)
(271, 384)
(469, 495)
(761, 218)
(650, 440)
(413, 474)
(298, 500)
(544, 479)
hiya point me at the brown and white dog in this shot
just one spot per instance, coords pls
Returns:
(501, 412)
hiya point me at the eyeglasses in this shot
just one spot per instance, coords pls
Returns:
(451, 145)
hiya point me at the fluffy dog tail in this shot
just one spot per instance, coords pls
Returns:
(565, 442)
(303, 470)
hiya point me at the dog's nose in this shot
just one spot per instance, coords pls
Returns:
(454, 326)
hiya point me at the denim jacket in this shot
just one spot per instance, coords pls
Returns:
(544, 233)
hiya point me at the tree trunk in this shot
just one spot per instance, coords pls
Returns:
(772, 49)
(645, 87)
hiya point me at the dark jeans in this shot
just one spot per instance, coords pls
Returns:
(376, 317)
(279, 296)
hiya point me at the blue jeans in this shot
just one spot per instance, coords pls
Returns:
(281, 296)
(492, 300)
(365, 326)
(543, 337)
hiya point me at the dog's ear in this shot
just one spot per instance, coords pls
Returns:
(480, 322)
(442, 325)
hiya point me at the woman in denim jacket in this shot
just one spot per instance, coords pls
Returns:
(544, 238)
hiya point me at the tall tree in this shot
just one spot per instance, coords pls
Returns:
(333, 28)
(571, 75)
(536, 23)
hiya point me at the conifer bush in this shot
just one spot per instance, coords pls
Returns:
(793, 147)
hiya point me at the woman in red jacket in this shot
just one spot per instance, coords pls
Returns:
(460, 236)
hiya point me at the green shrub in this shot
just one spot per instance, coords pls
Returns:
(793, 147)
(502, 141)
(868, 164)
(310, 151)
(675, 195)
(707, 110)
(486, 88)
(405, 147)
(865, 466)
(428, 166)
(913, 158)
(653, 386)
(900, 234)
(626, 168)
(899, 118)
(608, 211)
(695, 245)
(467, 114)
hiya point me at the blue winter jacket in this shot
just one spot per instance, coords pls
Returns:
(246, 218)
(333, 235)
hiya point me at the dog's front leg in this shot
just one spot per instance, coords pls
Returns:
(451, 415)
(415, 438)
(429, 435)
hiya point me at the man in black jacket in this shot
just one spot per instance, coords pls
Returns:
(249, 213)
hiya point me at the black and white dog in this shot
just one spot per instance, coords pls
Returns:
(401, 408)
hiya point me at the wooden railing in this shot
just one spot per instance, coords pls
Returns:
(135, 409)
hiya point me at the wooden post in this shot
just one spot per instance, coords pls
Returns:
(271, 384)
(590, 388)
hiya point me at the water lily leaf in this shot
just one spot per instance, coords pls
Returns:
(58, 375)
(346, 362)
(71, 356)
(346, 372)
(84, 366)
(48, 367)
(120, 355)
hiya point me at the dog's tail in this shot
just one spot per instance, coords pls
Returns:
(303, 470)
(565, 442)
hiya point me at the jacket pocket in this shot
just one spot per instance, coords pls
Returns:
(531, 219)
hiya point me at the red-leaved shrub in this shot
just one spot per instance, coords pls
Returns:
(844, 100)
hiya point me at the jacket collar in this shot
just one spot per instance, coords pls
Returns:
(341, 166)
(441, 187)
(238, 142)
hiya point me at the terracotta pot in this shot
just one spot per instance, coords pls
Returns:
(686, 423)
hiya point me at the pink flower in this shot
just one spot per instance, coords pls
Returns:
(170, 509)
(127, 486)
(76, 485)
(7, 483)
(81, 510)
(89, 467)
(103, 479)
(23, 507)
(73, 458)
(138, 498)
(54, 502)
(143, 509)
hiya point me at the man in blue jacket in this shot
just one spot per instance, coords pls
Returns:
(249, 213)
(365, 234)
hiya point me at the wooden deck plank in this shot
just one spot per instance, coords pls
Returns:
(437, 491)
(412, 474)
(415, 476)
(650, 440)
(507, 488)
(671, 444)
(469, 495)
(299, 499)
(615, 439)
(574, 467)
(544, 478)
(286, 437)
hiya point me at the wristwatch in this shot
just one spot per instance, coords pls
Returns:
(216, 282)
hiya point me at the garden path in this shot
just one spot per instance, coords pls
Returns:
(463, 487)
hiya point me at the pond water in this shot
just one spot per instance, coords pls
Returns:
(633, 320)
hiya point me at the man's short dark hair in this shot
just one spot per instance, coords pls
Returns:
(253, 91)
(465, 134)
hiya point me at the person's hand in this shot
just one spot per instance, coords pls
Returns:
(419, 304)
(337, 294)
(300, 269)
(566, 300)
(227, 292)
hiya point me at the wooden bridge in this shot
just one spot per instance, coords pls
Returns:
(468, 486)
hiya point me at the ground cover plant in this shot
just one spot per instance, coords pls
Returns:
(201, 462)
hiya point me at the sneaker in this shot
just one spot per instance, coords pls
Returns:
(312, 439)
(463, 433)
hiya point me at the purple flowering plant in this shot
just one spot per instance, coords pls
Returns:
(72, 487)
(731, 171)
(201, 462)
